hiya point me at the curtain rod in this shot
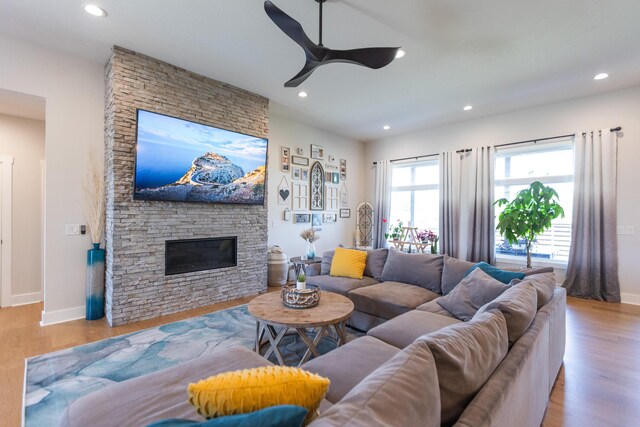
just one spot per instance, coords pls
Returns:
(615, 129)
(466, 150)
(412, 157)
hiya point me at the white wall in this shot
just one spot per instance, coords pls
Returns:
(74, 93)
(287, 133)
(23, 139)
(620, 108)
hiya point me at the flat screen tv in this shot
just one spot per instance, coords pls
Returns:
(182, 161)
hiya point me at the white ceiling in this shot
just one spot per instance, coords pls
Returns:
(497, 55)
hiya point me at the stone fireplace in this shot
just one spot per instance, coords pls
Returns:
(138, 232)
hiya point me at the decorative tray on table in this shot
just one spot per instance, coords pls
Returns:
(300, 298)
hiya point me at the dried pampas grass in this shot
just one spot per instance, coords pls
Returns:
(93, 189)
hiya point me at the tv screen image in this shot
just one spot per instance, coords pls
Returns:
(182, 161)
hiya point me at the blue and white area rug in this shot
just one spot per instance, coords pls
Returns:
(54, 380)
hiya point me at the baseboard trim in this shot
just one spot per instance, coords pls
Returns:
(60, 316)
(24, 299)
(630, 298)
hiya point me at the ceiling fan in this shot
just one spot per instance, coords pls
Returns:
(318, 54)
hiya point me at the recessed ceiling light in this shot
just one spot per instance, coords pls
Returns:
(601, 76)
(303, 94)
(386, 127)
(94, 10)
(467, 108)
(400, 53)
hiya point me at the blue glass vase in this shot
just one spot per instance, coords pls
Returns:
(94, 287)
(311, 250)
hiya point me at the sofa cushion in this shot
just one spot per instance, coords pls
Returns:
(389, 299)
(348, 263)
(155, 396)
(340, 285)
(475, 290)
(424, 270)
(401, 331)
(435, 308)
(466, 354)
(505, 276)
(402, 392)
(544, 283)
(453, 271)
(376, 259)
(518, 306)
(349, 364)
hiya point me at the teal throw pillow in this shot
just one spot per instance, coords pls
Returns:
(503, 276)
(275, 416)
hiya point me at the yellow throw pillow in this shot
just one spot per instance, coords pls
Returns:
(348, 263)
(249, 390)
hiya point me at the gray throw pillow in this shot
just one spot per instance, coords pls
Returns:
(543, 282)
(327, 259)
(475, 290)
(401, 392)
(518, 306)
(376, 259)
(466, 355)
(453, 272)
(424, 270)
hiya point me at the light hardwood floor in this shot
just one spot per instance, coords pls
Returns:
(599, 384)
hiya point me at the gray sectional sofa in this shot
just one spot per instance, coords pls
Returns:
(418, 365)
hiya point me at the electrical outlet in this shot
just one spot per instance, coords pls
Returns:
(629, 229)
(72, 229)
(620, 229)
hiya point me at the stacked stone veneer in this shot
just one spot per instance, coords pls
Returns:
(136, 231)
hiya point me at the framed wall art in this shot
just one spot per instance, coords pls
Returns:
(285, 159)
(344, 196)
(332, 196)
(304, 174)
(335, 178)
(317, 187)
(317, 152)
(300, 197)
(297, 160)
(345, 213)
(329, 218)
(284, 192)
(295, 173)
(302, 218)
(343, 169)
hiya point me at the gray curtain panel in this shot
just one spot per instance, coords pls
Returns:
(382, 202)
(592, 271)
(450, 204)
(480, 215)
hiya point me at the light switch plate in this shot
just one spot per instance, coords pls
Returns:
(629, 229)
(72, 229)
(620, 229)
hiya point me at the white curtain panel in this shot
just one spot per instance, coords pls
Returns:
(382, 201)
(592, 271)
(450, 204)
(480, 230)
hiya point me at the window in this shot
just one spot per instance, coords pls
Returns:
(414, 194)
(552, 164)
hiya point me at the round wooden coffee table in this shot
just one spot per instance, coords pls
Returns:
(274, 320)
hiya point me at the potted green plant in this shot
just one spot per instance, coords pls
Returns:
(529, 214)
(301, 282)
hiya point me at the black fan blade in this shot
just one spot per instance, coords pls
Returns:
(290, 27)
(309, 67)
(372, 57)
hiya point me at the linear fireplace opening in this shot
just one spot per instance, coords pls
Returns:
(188, 255)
